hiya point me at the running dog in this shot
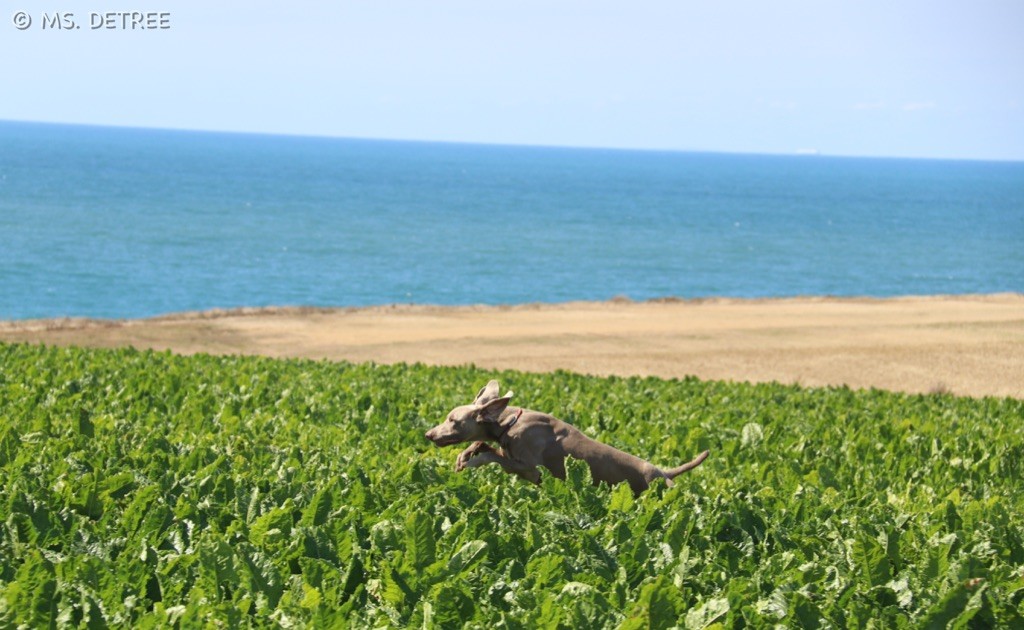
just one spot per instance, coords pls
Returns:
(527, 439)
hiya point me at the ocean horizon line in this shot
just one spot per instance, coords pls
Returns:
(798, 152)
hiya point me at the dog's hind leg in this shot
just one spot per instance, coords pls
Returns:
(556, 464)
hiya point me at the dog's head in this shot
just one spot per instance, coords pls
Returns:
(469, 423)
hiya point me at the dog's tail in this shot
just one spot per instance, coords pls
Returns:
(672, 473)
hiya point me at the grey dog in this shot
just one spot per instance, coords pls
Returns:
(527, 439)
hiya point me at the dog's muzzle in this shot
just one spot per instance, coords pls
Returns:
(441, 441)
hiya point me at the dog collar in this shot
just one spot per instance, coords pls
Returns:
(504, 429)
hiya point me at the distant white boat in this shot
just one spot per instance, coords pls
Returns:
(808, 152)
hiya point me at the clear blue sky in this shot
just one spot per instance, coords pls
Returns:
(909, 78)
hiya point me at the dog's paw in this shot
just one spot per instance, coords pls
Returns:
(467, 458)
(463, 460)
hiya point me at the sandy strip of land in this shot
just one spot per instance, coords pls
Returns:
(968, 345)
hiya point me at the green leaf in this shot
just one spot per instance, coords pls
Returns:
(872, 561)
(272, 529)
(319, 508)
(752, 435)
(660, 605)
(955, 609)
(468, 556)
(707, 613)
(774, 606)
(218, 564)
(453, 604)
(937, 564)
(119, 485)
(419, 536)
(261, 576)
(547, 570)
(32, 594)
(397, 590)
(621, 499)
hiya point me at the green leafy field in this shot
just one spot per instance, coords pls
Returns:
(144, 489)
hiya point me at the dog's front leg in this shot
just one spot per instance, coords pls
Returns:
(471, 451)
(511, 466)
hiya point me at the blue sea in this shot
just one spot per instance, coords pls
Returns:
(116, 222)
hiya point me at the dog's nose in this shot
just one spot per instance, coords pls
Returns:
(428, 435)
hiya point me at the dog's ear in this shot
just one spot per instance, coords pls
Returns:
(487, 393)
(491, 411)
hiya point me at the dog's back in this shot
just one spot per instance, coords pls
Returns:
(607, 463)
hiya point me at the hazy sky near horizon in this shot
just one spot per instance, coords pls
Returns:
(938, 79)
